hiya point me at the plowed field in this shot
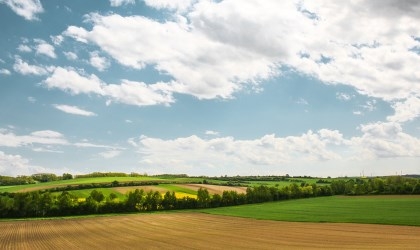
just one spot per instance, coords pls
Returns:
(199, 231)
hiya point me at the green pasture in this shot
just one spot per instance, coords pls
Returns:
(392, 210)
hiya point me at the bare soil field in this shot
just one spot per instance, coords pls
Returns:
(199, 231)
(125, 190)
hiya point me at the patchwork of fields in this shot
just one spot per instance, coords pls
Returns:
(199, 231)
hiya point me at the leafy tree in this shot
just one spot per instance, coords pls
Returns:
(169, 200)
(67, 176)
(203, 198)
(98, 196)
(135, 200)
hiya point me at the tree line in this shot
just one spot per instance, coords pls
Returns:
(46, 203)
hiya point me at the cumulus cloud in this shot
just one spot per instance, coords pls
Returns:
(127, 92)
(226, 151)
(70, 55)
(217, 48)
(406, 110)
(44, 48)
(73, 110)
(378, 141)
(385, 140)
(5, 72)
(28, 9)
(73, 82)
(99, 62)
(24, 48)
(191, 58)
(139, 93)
(57, 40)
(12, 165)
(24, 68)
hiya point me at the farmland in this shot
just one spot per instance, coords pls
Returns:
(199, 231)
(392, 210)
(281, 216)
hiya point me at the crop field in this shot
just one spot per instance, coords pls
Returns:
(199, 231)
(78, 181)
(181, 190)
(393, 210)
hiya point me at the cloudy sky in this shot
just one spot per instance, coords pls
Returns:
(212, 88)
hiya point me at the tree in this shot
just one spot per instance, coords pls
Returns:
(135, 200)
(98, 196)
(169, 200)
(67, 176)
(203, 198)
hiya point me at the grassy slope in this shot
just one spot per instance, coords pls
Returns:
(78, 181)
(393, 210)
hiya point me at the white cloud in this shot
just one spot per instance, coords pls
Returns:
(128, 92)
(31, 99)
(204, 68)
(24, 68)
(70, 55)
(71, 81)
(99, 62)
(180, 5)
(385, 140)
(73, 110)
(406, 110)
(24, 48)
(343, 96)
(86, 144)
(28, 9)
(57, 40)
(12, 165)
(128, 121)
(117, 3)
(139, 93)
(4, 72)
(211, 132)
(44, 48)
(227, 152)
(378, 141)
(217, 48)
(48, 137)
(47, 150)
(370, 105)
(110, 154)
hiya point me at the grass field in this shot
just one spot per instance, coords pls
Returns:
(199, 231)
(392, 210)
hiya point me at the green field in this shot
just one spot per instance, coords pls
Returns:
(392, 210)
(78, 181)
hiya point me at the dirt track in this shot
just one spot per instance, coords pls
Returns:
(199, 231)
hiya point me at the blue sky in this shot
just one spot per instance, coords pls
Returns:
(210, 87)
